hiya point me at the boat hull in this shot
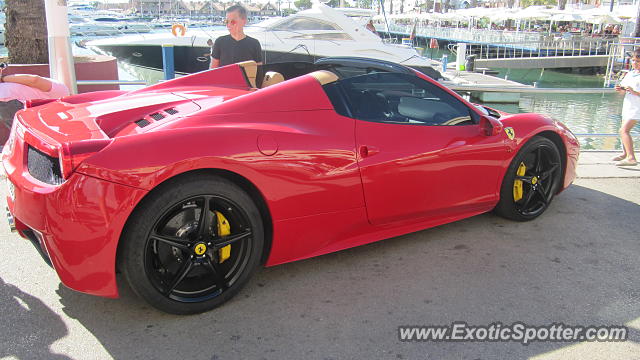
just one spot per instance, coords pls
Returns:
(191, 59)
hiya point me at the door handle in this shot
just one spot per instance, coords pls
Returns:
(366, 151)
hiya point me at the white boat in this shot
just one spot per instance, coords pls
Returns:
(91, 28)
(103, 23)
(305, 36)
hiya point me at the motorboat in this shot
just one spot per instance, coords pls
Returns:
(306, 36)
(103, 23)
(91, 28)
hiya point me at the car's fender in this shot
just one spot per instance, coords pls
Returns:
(525, 126)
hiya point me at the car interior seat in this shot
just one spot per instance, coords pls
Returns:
(368, 105)
(271, 78)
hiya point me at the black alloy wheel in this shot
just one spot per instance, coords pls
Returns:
(531, 182)
(192, 245)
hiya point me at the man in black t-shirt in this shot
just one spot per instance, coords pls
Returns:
(236, 46)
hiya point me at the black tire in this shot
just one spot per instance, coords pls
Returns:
(175, 263)
(539, 184)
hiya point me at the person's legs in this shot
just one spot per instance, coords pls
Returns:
(621, 156)
(627, 142)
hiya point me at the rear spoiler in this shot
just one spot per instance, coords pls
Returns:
(231, 76)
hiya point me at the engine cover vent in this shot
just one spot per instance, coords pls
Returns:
(171, 111)
(157, 116)
(142, 123)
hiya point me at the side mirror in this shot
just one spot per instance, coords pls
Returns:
(490, 126)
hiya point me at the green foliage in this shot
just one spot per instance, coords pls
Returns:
(303, 4)
(364, 4)
(287, 12)
(525, 3)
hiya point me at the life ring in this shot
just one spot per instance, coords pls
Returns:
(433, 44)
(178, 27)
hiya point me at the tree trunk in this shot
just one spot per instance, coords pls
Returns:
(26, 32)
(636, 33)
(562, 4)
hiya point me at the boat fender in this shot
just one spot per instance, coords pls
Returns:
(175, 28)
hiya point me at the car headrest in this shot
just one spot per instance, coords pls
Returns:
(324, 76)
(250, 69)
(271, 78)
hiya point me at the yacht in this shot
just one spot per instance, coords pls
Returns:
(308, 35)
(103, 23)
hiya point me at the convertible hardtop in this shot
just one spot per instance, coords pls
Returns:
(341, 66)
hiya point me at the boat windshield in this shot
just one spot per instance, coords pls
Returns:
(304, 23)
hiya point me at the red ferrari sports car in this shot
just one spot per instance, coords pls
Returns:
(187, 186)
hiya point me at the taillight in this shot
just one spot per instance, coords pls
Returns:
(74, 153)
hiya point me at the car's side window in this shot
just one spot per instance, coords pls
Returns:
(402, 99)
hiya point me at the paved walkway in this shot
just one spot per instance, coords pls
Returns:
(596, 164)
(577, 264)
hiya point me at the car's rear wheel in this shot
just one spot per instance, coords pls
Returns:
(531, 181)
(192, 244)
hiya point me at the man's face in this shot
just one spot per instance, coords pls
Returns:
(234, 21)
(635, 63)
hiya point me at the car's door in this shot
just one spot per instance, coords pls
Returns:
(422, 151)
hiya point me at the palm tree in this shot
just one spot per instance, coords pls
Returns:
(26, 32)
(562, 4)
(636, 33)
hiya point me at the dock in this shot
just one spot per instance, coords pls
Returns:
(455, 78)
(545, 62)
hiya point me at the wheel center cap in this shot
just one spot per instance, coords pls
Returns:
(200, 249)
(534, 180)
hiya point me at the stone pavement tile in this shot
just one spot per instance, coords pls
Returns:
(592, 171)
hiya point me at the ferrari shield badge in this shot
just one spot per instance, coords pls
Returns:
(200, 249)
(510, 133)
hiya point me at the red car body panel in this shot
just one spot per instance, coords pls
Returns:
(79, 222)
(329, 182)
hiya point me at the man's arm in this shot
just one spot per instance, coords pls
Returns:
(215, 54)
(258, 57)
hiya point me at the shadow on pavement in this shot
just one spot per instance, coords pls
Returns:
(577, 264)
(33, 326)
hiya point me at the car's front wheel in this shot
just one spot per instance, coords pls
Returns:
(192, 244)
(531, 181)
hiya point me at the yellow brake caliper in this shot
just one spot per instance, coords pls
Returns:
(517, 184)
(224, 229)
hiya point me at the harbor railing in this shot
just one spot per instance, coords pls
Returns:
(527, 89)
(111, 82)
(541, 48)
(496, 44)
(467, 35)
(618, 62)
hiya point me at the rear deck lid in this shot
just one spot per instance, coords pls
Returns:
(65, 121)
